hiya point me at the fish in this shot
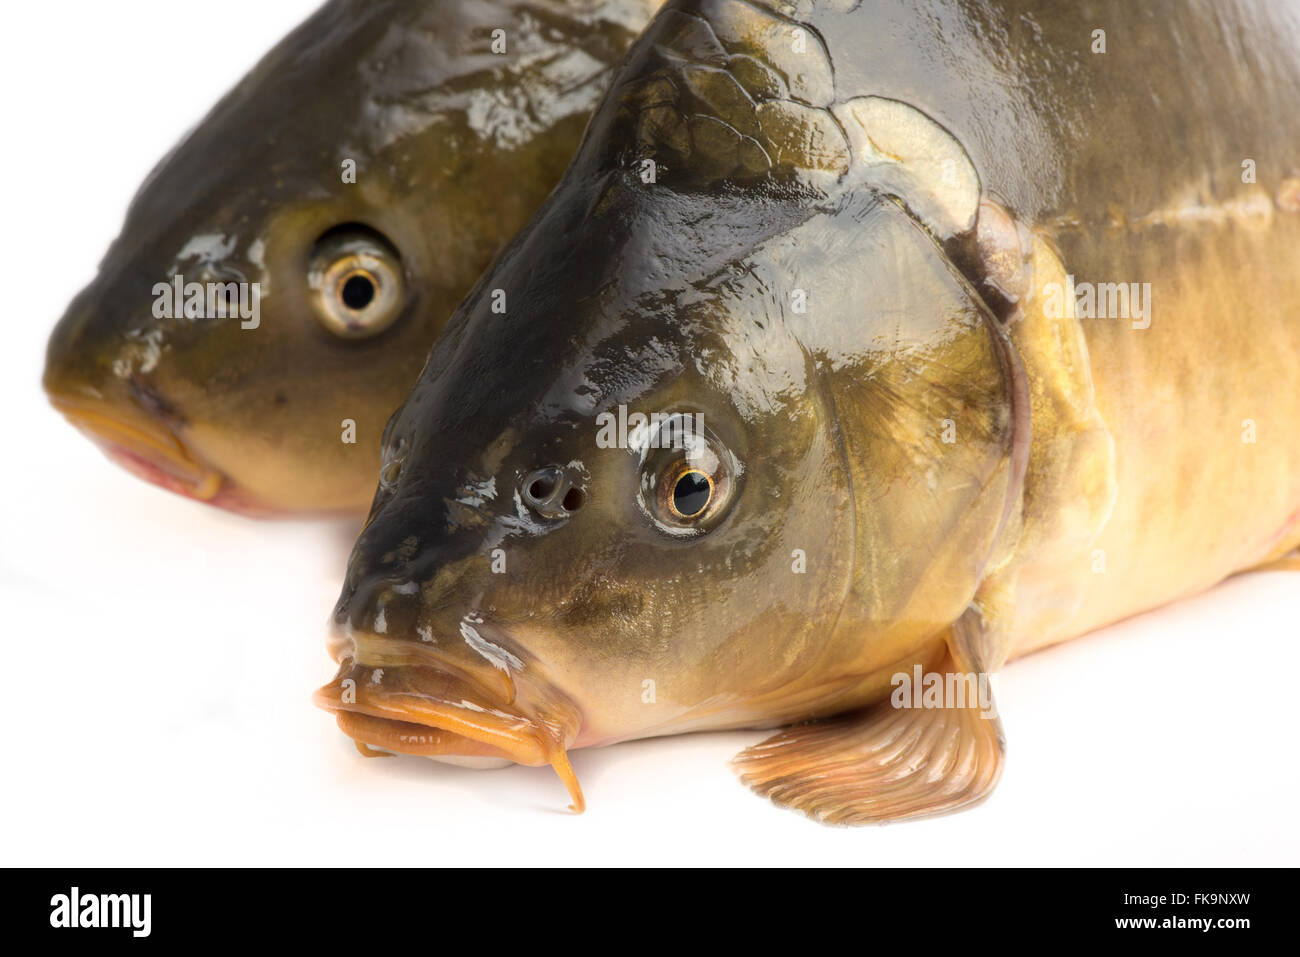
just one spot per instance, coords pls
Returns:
(283, 272)
(862, 349)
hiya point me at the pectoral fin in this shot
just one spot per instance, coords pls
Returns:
(886, 763)
(1289, 562)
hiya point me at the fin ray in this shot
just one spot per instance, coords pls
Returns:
(878, 765)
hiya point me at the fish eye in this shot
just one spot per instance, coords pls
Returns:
(358, 288)
(687, 478)
(691, 493)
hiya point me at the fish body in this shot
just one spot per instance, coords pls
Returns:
(801, 413)
(283, 272)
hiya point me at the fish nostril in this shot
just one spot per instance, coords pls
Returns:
(551, 493)
(541, 488)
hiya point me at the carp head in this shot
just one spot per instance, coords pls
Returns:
(681, 460)
(282, 274)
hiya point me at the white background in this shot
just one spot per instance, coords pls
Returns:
(159, 656)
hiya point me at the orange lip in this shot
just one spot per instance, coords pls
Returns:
(151, 451)
(147, 450)
(426, 711)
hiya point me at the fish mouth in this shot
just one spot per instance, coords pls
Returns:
(145, 448)
(430, 710)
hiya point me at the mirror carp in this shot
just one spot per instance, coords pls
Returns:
(282, 274)
(862, 348)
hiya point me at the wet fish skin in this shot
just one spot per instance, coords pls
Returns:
(455, 146)
(856, 543)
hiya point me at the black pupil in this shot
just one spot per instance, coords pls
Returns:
(691, 494)
(358, 292)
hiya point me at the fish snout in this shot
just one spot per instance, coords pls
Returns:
(427, 661)
(423, 708)
(395, 632)
(132, 433)
(100, 384)
(77, 362)
(396, 696)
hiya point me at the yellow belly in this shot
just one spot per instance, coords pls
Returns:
(1203, 406)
